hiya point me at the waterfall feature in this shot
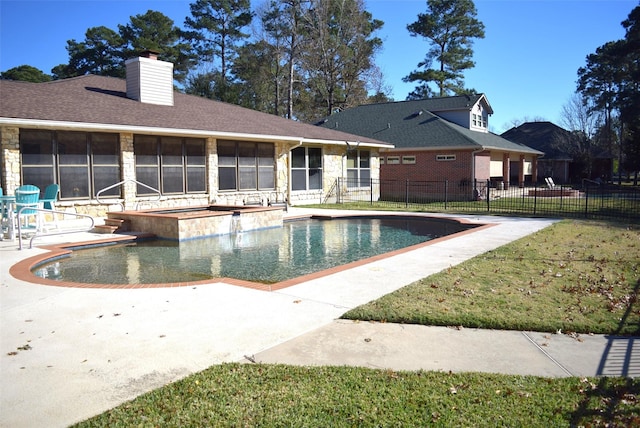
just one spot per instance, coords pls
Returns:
(235, 223)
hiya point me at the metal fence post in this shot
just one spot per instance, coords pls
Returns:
(446, 193)
(371, 190)
(586, 201)
(535, 199)
(488, 195)
(406, 193)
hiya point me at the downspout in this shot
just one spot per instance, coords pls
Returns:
(473, 168)
(346, 153)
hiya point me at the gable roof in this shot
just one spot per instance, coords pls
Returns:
(411, 124)
(542, 136)
(97, 102)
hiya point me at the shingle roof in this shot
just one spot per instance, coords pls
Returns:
(102, 101)
(542, 136)
(458, 102)
(410, 124)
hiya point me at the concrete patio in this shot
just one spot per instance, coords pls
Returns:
(71, 353)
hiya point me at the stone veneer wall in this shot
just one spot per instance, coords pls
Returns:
(10, 159)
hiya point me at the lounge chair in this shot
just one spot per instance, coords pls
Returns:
(550, 183)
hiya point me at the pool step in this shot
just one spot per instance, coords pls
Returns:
(113, 225)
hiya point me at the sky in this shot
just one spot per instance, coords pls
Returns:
(526, 65)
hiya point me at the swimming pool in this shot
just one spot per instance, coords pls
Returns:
(266, 256)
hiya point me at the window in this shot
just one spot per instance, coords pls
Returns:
(105, 158)
(245, 165)
(306, 168)
(173, 165)
(445, 157)
(82, 163)
(393, 160)
(409, 160)
(358, 168)
(196, 165)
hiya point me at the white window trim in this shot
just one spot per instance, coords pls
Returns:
(393, 160)
(408, 160)
(306, 168)
(358, 169)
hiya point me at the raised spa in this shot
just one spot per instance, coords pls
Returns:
(182, 224)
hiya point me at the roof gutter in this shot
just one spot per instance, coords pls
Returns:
(46, 124)
(88, 126)
(431, 149)
(348, 144)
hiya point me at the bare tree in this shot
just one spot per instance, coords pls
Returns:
(583, 122)
(577, 115)
(338, 53)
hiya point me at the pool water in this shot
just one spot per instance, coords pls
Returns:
(267, 256)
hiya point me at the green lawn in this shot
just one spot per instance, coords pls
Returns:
(234, 395)
(575, 276)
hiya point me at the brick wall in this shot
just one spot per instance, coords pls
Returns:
(428, 168)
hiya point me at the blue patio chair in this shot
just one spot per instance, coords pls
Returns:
(28, 196)
(50, 196)
(48, 202)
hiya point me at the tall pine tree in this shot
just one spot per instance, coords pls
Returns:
(450, 26)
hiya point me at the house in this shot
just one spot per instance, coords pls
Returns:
(439, 139)
(558, 162)
(91, 132)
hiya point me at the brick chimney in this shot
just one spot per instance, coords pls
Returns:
(150, 80)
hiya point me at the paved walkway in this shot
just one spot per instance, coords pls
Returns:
(68, 354)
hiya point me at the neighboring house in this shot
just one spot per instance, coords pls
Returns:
(91, 132)
(557, 162)
(438, 139)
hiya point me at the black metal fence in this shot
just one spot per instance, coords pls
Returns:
(589, 200)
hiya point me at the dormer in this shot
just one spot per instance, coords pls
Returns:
(470, 111)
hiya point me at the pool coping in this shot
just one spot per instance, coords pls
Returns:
(22, 269)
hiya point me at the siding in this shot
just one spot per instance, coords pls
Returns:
(150, 81)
